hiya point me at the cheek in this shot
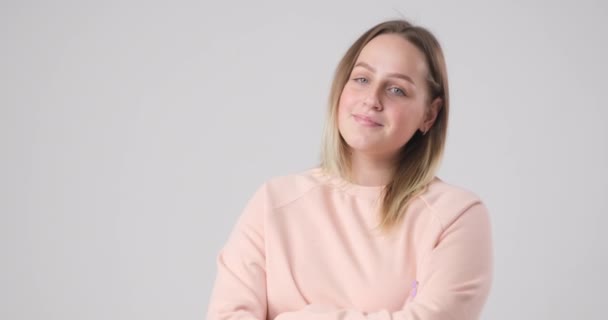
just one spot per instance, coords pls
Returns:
(343, 106)
(347, 100)
(405, 121)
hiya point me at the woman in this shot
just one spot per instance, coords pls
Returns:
(371, 233)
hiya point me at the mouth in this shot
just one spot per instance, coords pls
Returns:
(366, 121)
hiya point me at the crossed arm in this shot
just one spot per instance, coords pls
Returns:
(455, 278)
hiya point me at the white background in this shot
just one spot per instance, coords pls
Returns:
(133, 133)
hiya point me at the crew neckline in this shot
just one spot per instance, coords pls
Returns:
(357, 190)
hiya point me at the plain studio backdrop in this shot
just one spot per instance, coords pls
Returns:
(133, 133)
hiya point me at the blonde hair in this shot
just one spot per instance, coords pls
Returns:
(420, 157)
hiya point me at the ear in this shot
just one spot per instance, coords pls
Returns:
(431, 114)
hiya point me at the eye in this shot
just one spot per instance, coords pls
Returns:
(360, 80)
(398, 91)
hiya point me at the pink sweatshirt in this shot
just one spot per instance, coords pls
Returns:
(304, 248)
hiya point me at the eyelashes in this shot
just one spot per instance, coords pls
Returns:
(394, 90)
(398, 91)
(359, 79)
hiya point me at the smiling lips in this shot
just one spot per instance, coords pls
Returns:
(366, 121)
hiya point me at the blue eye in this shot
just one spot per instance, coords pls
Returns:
(397, 91)
(359, 80)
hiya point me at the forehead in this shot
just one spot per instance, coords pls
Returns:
(393, 53)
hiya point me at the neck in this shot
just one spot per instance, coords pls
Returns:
(368, 170)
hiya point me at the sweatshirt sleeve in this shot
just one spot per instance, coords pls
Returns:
(454, 279)
(239, 290)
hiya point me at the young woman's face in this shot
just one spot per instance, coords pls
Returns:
(385, 99)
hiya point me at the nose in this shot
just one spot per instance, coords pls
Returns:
(372, 100)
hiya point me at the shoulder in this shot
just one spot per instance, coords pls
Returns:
(448, 202)
(281, 190)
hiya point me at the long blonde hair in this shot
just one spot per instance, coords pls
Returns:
(420, 157)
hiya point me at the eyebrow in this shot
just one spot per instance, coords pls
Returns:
(393, 75)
